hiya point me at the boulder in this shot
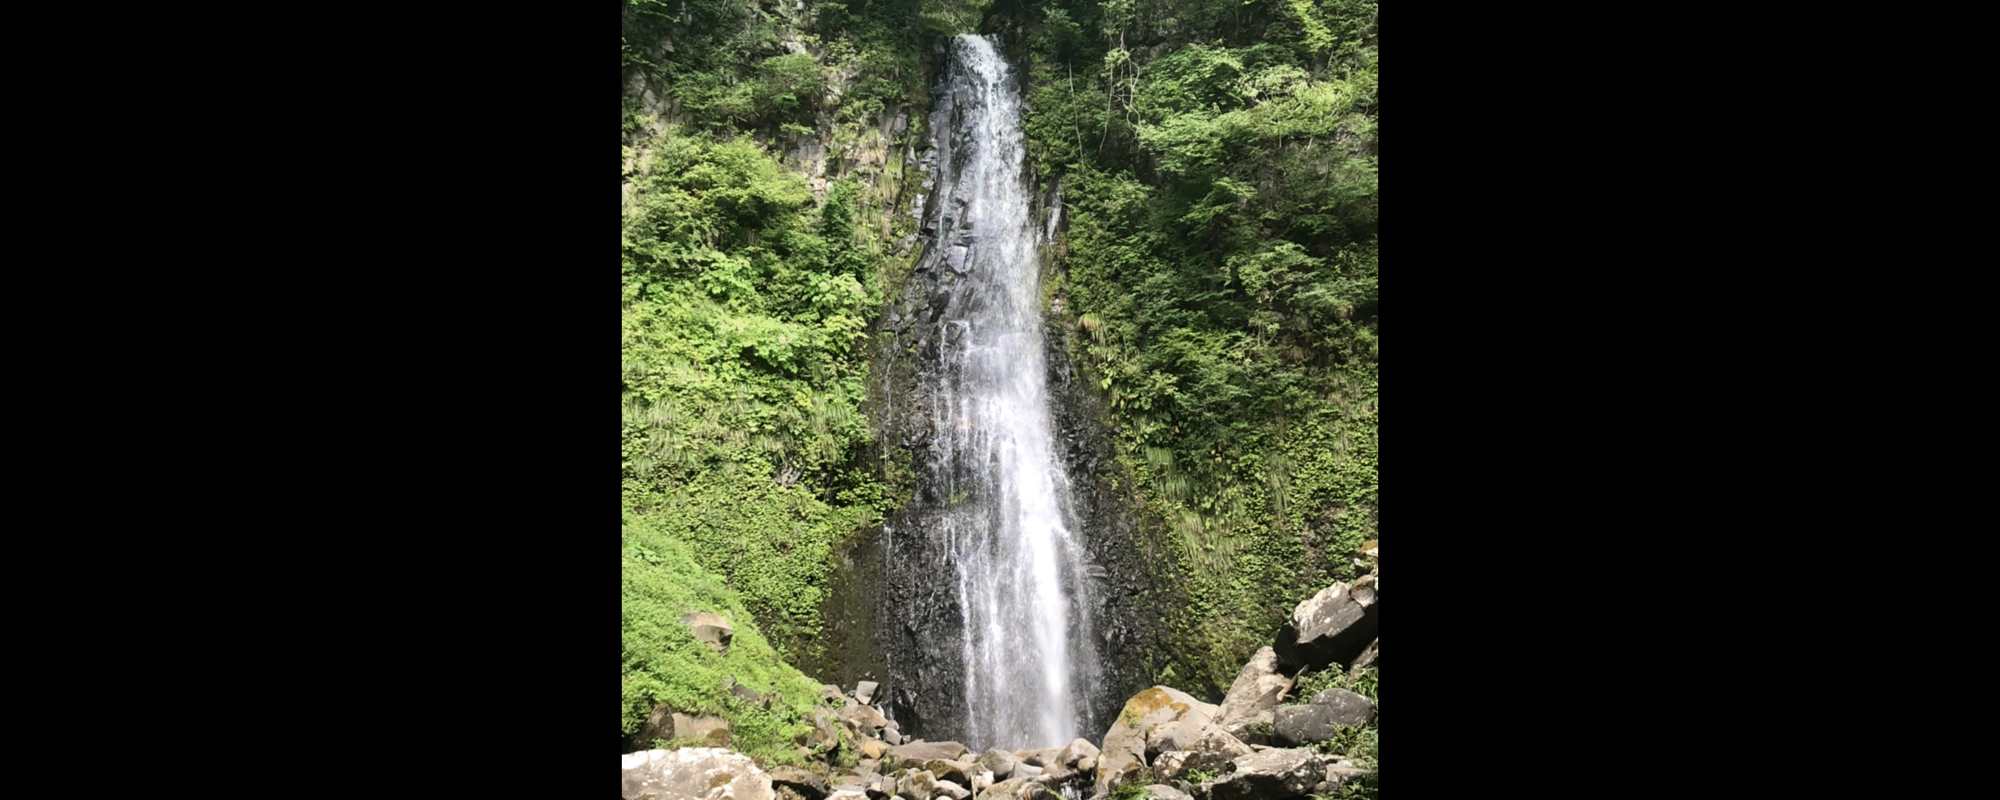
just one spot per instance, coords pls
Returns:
(924, 751)
(1193, 734)
(999, 762)
(1073, 754)
(797, 783)
(916, 784)
(952, 790)
(1318, 720)
(1019, 789)
(848, 780)
(1024, 769)
(848, 794)
(863, 720)
(1257, 689)
(891, 733)
(1040, 757)
(711, 731)
(1214, 741)
(981, 778)
(1270, 774)
(1350, 708)
(693, 773)
(959, 772)
(1161, 791)
(659, 725)
(746, 694)
(1255, 730)
(824, 736)
(865, 691)
(1329, 627)
(1125, 743)
(710, 629)
(873, 748)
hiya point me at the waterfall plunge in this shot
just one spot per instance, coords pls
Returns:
(1019, 569)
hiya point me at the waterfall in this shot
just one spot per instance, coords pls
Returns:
(1001, 516)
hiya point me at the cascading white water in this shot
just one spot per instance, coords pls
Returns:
(1019, 568)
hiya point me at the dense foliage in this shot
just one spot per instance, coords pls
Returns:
(746, 299)
(1218, 167)
(664, 664)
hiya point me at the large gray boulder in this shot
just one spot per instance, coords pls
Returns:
(1125, 744)
(1272, 774)
(920, 752)
(693, 773)
(864, 691)
(1320, 719)
(952, 790)
(1192, 734)
(999, 762)
(1258, 688)
(1161, 791)
(1075, 752)
(956, 771)
(1329, 627)
(863, 720)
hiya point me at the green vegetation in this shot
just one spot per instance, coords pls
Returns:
(746, 300)
(1218, 167)
(663, 663)
(1310, 683)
